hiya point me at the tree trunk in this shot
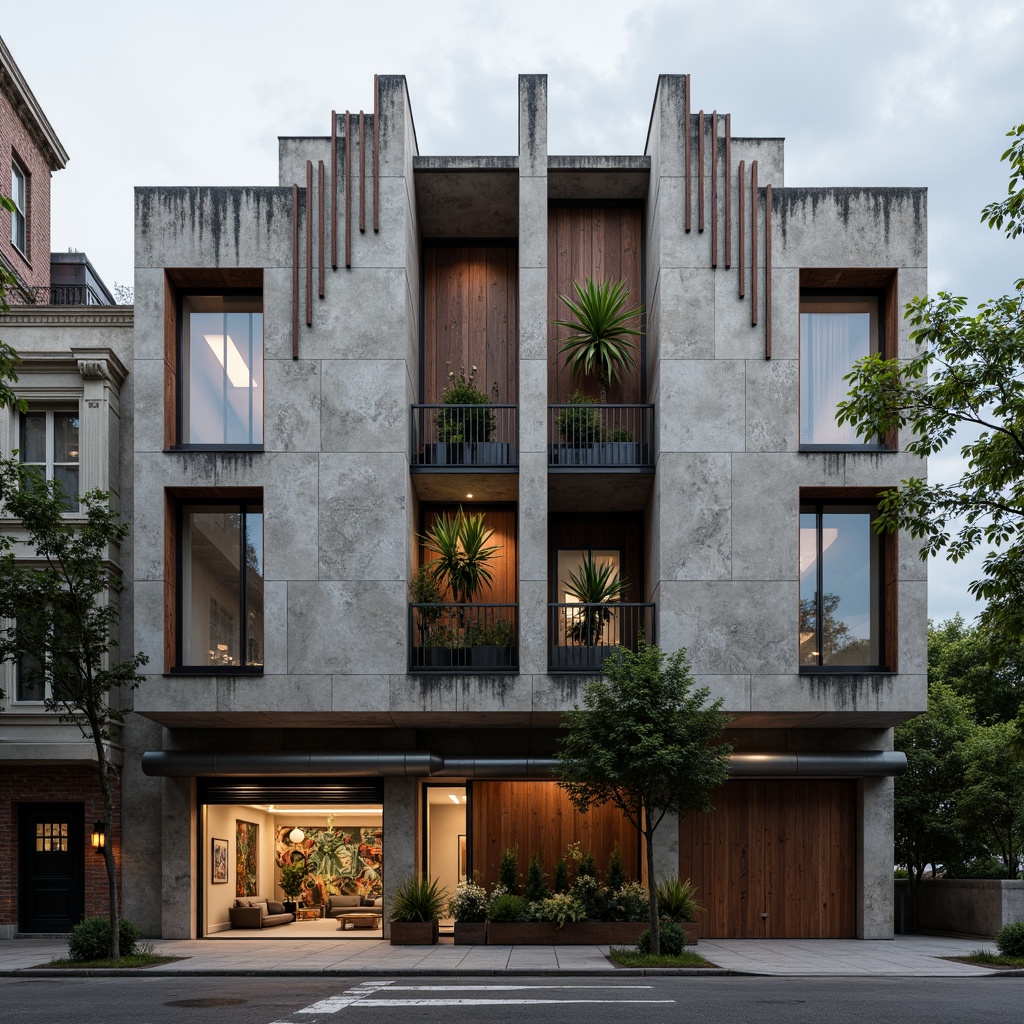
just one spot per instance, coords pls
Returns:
(103, 768)
(652, 886)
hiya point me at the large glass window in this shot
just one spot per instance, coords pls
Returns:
(840, 587)
(49, 442)
(19, 195)
(222, 586)
(835, 332)
(221, 370)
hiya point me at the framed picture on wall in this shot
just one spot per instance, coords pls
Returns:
(247, 844)
(220, 860)
(463, 877)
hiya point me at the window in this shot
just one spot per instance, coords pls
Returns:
(31, 685)
(835, 331)
(841, 587)
(221, 370)
(221, 586)
(49, 442)
(19, 194)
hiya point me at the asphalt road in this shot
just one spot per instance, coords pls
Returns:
(138, 999)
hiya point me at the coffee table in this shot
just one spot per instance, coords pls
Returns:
(307, 914)
(360, 921)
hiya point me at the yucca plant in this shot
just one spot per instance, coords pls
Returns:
(593, 585)
(677, 900)
(460, 544)
(418, 899)
(601, 328)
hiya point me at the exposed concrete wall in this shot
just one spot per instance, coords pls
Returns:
(400, 838)
(964, 906)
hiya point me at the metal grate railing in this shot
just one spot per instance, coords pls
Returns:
(582, 636)
(463, 637)
(465, 436)
(601, 436)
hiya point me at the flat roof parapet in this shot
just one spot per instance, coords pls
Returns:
(465, 163)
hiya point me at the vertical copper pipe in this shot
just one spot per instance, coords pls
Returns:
(295, 271)
(714, 189)
(700, 170)
(348, 189)
(686, 147)
(334, 190)
(362, 173)
(320, 220)
(309, 243)
(739, 223)
(728, 191)
(767, 271)
(753, 243)
(376, 153)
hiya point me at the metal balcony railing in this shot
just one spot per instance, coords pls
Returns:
(465, 436)
(596, 436)
(463, 637)
(582, 636)
(65, 295)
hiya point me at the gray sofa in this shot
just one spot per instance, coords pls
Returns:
(351, 906)
(258, 913)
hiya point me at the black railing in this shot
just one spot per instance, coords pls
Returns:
(65, 295)
(463, 637)
(465, 436)
(582, 636)
(601, 436)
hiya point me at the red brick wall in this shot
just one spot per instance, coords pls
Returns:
(33, 784)
(16, 143)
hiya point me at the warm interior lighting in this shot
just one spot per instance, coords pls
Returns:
(238, 372)
(453, 797)
(296, 835)
(469, 495)
(99, 836)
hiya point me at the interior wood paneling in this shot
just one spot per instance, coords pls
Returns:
(622, 532)
(606, 243)
(781, 848)
(470, 318)
(537, 817)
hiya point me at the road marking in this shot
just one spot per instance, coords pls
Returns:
(332, 1004)
(362, 1003)
(502, 988)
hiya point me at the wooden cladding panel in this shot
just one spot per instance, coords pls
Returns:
(469, 318)
(606, 243)
(537, 817)
(503, 566)
(170, 363)
(610, 532)
(779, 847)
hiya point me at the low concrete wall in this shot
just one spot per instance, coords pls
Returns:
(962, 906)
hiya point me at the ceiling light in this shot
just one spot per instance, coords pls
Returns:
(469, 495)
(238, 372)
(296, 835)
(454, 799)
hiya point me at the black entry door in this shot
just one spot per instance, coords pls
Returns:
(51, 867)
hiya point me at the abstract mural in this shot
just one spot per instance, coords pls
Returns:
(339, 861)
(247, 841)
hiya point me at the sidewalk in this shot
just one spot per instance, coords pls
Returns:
(907, 956)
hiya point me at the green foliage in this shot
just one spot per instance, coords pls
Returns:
(560, 882)
(536, 881)
(1010, 940)
(590, 895)
(673, 939)
(593, 584)
(292, 877)
(469, 904)
(601, 329)
(1008, 215)
(621, 435)
(509, 907)
(90, 939)
(678, 900)
(579, 425)
(468, 419)
(634, 958)
(418, 899)
(508, 869)
(629, 902)
(587, 866)
(560, 908)
(463, 557)
(616, 877)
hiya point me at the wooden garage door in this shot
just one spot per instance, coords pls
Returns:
(775, 859)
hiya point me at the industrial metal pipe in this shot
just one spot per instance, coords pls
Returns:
(180, 763)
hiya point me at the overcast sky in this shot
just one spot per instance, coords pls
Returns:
(875, 92)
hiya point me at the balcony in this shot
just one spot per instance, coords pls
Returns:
(480, 638)
(65, 295)
(603, 437)
(465, 438)
(582, 636)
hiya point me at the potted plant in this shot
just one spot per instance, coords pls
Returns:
(492, 645)
(579, 429)
(416, 904)
(434, 647)
(677, 902)
(463, 557)
(292, 879)
(596, 586)
(469, 908)
(465, 426)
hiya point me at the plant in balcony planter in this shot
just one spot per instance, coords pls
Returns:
(601, 329)
(462, 562)
(579, 425)
(466, 418)
(469, 908)
(292, 878)
(594, 586)
(426, 592)
(416, 904)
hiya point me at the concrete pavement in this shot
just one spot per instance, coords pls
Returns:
(906, 956)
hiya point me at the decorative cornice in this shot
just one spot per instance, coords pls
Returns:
(29, 110)
(118, 316)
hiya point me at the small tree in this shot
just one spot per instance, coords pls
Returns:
(646, 742)
(62, 603)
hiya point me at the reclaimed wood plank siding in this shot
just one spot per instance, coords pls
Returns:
(603, 242)
(537, 817)
(469, 318)
(783, 848)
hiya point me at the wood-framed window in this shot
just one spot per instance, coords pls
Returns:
(19, 215)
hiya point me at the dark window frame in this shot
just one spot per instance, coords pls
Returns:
(19, 216)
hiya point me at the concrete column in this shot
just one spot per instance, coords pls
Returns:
(400, 835)
(180, 877)
(666, 848)
(533, 373)
(875, 859)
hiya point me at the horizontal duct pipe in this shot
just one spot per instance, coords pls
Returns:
(842, 764)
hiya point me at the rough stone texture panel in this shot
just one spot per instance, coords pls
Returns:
(291, 405)
(765, 533)
(700, 404)
(363, 406)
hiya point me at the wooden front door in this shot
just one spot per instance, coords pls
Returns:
(775, 859)
(51, 867)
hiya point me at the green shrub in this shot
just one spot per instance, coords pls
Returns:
(536, 881)
(292, 877)
(90, 939)
(417, 899)
(509, 907)
(1010, 940)
(621, 434)
(616, 877)
(630, 902)
(579, 425)
(471, 420)
(592, 896)
(561, 879)
(676, 900)
(469, 904)
(587, 866)
(673, 939)
(508, 869)
(561, 908)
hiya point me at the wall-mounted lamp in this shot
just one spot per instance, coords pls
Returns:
(296, 835)
(99, 836)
